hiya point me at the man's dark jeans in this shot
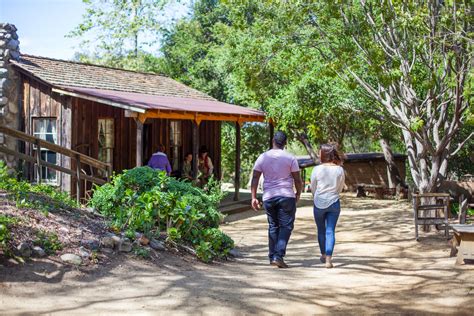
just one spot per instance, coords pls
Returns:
(281, 218)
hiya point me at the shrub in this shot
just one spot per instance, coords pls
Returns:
(146, 200)
(48, 241)
(5, 236)
(27, 195)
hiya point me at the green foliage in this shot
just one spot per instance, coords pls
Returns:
(211, 243)
(5, 235)
(120, 31)
(146, 200)
(254, 141)
(41, 196)
(48, 241)
(141, 252)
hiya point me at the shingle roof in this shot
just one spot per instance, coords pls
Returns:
(67, 73)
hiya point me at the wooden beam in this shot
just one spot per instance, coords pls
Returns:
(195, 149)
(237, 162)
(139, 153)
(50, 165)
(198, 117)
(53, 147)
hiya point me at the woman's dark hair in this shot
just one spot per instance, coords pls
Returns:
(330, 153)
(203, 150)
(161, 148)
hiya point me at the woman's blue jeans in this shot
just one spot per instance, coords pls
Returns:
(326, 220)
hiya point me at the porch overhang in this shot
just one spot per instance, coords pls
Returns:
(143, 106)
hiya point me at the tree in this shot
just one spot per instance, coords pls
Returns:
(123, 30)
(419, 54)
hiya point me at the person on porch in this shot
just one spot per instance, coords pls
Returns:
(159, 160)
(187, 170)
(205, 166)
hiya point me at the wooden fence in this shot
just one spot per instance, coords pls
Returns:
(36, 159)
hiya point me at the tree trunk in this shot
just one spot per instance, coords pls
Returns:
(303, 138)
(392, 166)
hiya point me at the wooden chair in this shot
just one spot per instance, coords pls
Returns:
(436, 203)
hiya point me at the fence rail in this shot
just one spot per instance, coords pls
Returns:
(36, 159)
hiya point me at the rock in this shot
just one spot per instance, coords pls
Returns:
(24, 249)
(107, 250)
(13, 44)
(39, 252)
(143, 240)
(71, 258)
(91, 244)
(157, 245)
(84, 253)
(117, 240)
(235, 253)
(125, 245)
(107, 242)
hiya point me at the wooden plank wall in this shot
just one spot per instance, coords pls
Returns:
(39, 101)
(369, 172)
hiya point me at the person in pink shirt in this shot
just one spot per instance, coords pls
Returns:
(281, 175)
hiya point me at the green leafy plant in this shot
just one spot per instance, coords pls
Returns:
(40, 196)
(148, 201)
(141, 252)
(5, 234)
(48, 241)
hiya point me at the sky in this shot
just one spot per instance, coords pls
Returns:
(43, 24)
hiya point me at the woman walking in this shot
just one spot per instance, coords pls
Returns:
(327, 182)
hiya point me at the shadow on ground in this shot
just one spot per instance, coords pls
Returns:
(380, 268)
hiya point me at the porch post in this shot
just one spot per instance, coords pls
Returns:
(139, 153)
(195, 148)
(272, 132)
(237, 162)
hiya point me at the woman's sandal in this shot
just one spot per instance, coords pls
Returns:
(322, 259)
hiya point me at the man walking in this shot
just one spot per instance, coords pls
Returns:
(281, 175)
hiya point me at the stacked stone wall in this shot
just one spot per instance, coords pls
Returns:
(9, 87)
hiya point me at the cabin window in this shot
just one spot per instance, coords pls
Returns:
(175, 144)
(45, 128)
(106, 140)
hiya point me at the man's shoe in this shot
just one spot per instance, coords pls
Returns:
(279, 263)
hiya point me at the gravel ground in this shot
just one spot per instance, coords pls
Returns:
(379, 269)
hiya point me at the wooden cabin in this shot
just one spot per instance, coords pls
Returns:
(118, 117)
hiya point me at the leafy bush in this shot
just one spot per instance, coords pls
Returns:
(148, 201)
(5, 235)
(27, 195)
(48, 241)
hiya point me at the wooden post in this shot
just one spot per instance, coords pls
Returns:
(237, 161)
(78, 179)
(139, 153)
(195, 148)
(38, 162)
(272, 132)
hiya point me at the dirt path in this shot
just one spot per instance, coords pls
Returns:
(379, 269)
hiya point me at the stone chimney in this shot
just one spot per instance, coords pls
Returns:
(9, 87)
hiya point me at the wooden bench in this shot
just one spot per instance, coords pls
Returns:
(379, 190)
(430, 203)
(464, 239)
(464, 205)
